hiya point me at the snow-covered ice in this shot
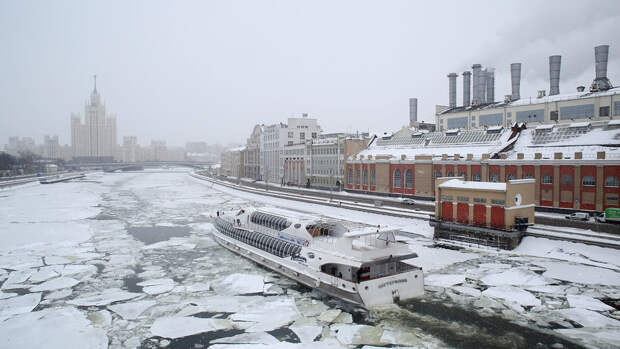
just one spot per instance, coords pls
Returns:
(512, 294)
(588, 318)
(239, 284)
(19, 304)
(249, 338)
(131, 310)
(55, 284)
(444, 280)
(104, 298)
(587, 302)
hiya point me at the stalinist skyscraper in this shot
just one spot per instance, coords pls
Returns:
(95, 139)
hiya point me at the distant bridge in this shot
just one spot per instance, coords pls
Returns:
(137, 166)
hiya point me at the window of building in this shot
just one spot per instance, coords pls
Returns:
(498, 202)
(463, 174)
(577, 112)
(553, 115)
(446, 198)
(588, 181)
(438, 174)
(476, 177)
(617, 108)
(510, 177)
(458, 122)
(566, 180)
(534, 115)
(494, 177)
(397, 178)
(491, 119)
(450, 174)
(365, 177)
(480, 200)
(462, 198)
(290, 134)
(313, 135)
(547, 179)
(528, 176)
(408, 179)
(290, 142)
(350, 176)
(603, 111)
(612, 181)
(357, 177)
(302, 135)
(372, 177)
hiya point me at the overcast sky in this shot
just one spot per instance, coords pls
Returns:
(210, 70)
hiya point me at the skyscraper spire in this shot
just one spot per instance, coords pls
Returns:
(95, 77)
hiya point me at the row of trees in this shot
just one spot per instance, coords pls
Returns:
(23, 163)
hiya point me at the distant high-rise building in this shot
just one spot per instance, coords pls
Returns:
(96, 137)
(51, 148)
(130, 148)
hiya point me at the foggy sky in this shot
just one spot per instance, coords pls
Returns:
(211, 70)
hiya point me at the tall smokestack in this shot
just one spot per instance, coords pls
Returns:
(452, 89)
(490, 85)
(413, 111)
(554, 74)
(477, 69)
(466, 88)
(515, 77)
(601, 82)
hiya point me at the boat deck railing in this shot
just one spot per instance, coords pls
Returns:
(363, 248)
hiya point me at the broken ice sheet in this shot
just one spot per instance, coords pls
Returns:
(444, 280)
(19, 304)
(358, 334)
(55, 284)
(177, 327)
(306, 333)
(512, 294)
(248, 338)
(131, 310)
(157, 286)
(239, 284)
(268, 315)
(104, 298)
(517, 277)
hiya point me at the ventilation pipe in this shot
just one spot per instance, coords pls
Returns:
(601, 82)
(452, 90)
(482, 85)
(515, 77)
(466, 88)
(554, 74)
(490, 72)
(413, 111)
(477, 69)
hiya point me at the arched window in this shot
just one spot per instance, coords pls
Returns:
(547, 179)
(357, 177)
(612, 181)
(588, 181)
(566, 180)
(438, 174)
(494, 177)
(372, 177)
(528, 176)
(397, 178)
(408, 179)
(463, 174)
(450, 174)
(476, 177)
(510, 177)
(350, 176)
(365, 177)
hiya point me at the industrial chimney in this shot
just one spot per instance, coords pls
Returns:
(466, 88)
(601, 82)
(477, 69)
(413, 111)
(515, 77)
(554, 74)
(490, 72)
(452, 90)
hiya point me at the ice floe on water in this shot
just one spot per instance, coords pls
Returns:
(582, 274)
(587, 302)
(19, 304)
(268, 315)
(516, 277)
(157, 286)
(131, 310)
(55, 284)
(177, 327)
(444, 280)
(248, 338)
(104, 298)
(239, 284)
(512, 294)
(52, 328)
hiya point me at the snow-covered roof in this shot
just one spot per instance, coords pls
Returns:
(545, 127)
(580, 124)
(460, 184)
(614, 122)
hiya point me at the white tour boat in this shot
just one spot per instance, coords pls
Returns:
(364, 267)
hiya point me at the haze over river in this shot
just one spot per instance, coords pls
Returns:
(126, 260)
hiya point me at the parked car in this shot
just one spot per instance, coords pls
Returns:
(578, 216)
(407, 201)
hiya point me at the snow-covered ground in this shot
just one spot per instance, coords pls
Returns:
(126, 260)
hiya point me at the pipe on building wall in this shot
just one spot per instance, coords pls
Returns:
(452, 89)
(554, 74)
(413, 111)
(466, 88)
(515, 78)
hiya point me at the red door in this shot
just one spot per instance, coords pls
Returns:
(497, 217)
(446, 211)
(462, 212)
(480, 215)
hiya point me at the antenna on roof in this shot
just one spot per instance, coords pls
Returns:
(95, 78)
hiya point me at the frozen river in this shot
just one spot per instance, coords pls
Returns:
(126, 260)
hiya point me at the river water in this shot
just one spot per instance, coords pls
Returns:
(150, 236)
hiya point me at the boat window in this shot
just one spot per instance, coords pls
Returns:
(297, 225)
(310, 255)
